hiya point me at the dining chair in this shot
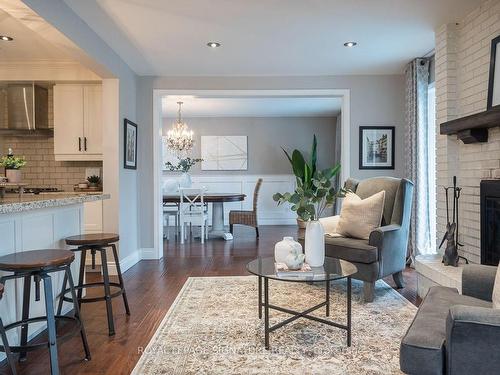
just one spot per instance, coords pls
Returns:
(192, 210)
(170, 210)
(248, 218)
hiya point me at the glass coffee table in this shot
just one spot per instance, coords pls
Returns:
(333, 269)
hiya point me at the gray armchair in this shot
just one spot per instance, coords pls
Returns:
(384, 253)
(455, 333)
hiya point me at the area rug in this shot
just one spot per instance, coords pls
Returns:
(213, 328)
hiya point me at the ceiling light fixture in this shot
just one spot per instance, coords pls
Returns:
(213, 44)
(6, 38)
(179, 138)
(350, 44)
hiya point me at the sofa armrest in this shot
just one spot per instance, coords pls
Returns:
(472, 340)
(478, 281)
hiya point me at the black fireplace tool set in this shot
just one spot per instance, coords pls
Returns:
(451, 257)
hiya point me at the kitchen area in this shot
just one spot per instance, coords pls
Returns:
(50, 178)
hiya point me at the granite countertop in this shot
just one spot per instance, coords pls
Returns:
(14, 203)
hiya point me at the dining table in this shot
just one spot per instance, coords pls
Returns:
(217, 200)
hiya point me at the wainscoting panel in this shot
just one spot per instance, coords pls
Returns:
(269, 212)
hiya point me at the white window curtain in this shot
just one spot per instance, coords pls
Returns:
(419, 134)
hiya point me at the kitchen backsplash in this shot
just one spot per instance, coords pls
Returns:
(42, 170)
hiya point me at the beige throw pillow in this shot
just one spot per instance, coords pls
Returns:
(496, 290)
(359, 217)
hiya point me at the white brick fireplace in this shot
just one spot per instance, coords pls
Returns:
(462, 68)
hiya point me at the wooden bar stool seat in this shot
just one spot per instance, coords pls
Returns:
(98, 242)
(39, 264)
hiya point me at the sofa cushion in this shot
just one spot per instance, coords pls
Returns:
(422, 348)
(350, 249)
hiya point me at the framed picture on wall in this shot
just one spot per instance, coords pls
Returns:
(376, 147)
(130, 145)
(224, 153)
(494, 80)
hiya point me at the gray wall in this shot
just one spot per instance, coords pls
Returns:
(266, 136)
(375, 100)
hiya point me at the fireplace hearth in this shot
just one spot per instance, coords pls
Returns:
(490, 222)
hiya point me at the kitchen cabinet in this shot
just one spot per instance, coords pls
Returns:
(77, 122)
(92, 217)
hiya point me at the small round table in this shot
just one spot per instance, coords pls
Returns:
(332, 269)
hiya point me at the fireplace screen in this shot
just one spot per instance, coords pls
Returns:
(490, 222)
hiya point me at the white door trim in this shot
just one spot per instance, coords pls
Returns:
(157, 133)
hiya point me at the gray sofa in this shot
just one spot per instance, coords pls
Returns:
(384, 253)
(455, 333)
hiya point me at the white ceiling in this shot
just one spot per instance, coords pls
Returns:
(252, 107)
(27, 45)
(269, 37)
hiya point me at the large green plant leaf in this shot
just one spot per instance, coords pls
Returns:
(314, 155)
(298, 164)
(288, 156)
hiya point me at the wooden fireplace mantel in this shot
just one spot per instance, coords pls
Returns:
(473, 128)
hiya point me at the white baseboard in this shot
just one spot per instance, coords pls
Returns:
(125, 263)
(148, 253)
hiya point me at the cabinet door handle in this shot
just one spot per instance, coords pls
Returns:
(79, 144)
(85, 143)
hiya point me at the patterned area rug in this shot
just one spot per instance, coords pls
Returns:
(213, 328)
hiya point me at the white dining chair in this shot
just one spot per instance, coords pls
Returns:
(170, 210)
(192, 211)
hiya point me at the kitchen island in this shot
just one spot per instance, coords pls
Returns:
(32, 222)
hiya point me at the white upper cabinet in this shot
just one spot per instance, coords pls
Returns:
(77, 122)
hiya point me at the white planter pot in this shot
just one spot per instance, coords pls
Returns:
(185, 180)
(13, 175)
(315, 244)
(285, 247)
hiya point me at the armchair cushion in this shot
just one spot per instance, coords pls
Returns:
(359, 217)
(350, 249)
(496, 290)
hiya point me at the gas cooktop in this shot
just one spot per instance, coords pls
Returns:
(37, 190)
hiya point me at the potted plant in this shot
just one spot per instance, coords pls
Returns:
(13, 165)
(184, 165)
(313, 194)
(94, 181)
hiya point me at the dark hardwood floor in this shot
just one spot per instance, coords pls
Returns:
(151, 288)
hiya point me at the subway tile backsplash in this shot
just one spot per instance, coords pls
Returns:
(42, 170)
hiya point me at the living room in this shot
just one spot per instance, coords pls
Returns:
(289, 187)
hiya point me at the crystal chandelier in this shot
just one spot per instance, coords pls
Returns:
(179, 137)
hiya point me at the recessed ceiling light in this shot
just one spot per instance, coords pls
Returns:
(350, 44)
(213, 44)
(6, 38)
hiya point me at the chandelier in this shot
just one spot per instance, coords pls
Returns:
(179, 137)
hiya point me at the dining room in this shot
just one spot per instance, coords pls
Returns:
(224, 157)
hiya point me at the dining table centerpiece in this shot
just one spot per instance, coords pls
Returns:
(314, 193)
(184, 165)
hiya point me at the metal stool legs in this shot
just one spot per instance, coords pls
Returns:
(51, 323)
(120, 278)
(25, 315)
(6, 347)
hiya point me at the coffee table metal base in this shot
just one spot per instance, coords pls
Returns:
(304, 314)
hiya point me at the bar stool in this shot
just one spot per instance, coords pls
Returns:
(97, 242)
(5, 343)
(39, 264)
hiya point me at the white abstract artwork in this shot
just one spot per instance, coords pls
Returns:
(224, 153)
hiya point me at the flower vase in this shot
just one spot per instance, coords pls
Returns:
(285, 247)
(185, 180)
(315, 243)
(13, 175)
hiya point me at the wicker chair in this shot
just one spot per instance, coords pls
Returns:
(248, 218)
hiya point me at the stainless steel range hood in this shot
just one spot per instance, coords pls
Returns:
(24, 110)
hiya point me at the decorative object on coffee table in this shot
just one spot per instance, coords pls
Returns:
(314, 193)
(333, 269)
(376, 147)
(284, 247)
